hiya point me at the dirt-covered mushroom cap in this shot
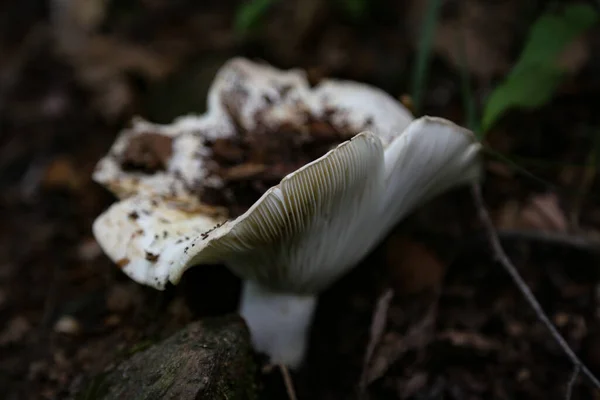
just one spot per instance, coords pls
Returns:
(172, 159)
(160, 169)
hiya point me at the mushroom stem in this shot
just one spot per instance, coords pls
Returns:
(278, 322)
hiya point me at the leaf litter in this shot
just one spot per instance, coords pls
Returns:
(472, 338)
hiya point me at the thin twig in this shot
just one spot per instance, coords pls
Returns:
(287, 380)
(522, 286)
(571, 385)
(565, 239)
(375, 334)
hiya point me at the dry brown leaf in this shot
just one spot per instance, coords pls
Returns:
(500, 169)
(104, 62)
(412, 266)
(575, 55)
(377, 328)
(83, 14)
(61, 173)
(393, 345)
(506, 217)
(543, 212)
(470, 340)
(412, 385)
(16, 329)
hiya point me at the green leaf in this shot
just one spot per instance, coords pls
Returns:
(421, 66)
(527, 88)
(250, 13)
(536, 75)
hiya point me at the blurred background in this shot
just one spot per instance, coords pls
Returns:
(523, 75)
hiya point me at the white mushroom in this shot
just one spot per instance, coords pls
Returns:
(311, 228)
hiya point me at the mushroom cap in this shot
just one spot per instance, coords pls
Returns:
(144, 236)
(312, 227)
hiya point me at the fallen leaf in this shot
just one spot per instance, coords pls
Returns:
(574, 56)
(472, 340)
(412, 385)
(15, 330)
(394, 345)
(540, 212)
(544, 213)
(61, 173)
(500, 169)
(412, 266)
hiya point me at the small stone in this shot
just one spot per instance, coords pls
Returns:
(67, 325)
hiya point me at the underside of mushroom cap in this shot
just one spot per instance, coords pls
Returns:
(298, 237)
(324, 218)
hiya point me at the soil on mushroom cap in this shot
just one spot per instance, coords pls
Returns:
(248, 163)
(253, 161)
(148, 153)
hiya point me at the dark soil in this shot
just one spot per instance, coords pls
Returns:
(252, 162)
(457, 327)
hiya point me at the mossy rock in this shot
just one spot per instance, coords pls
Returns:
(209, 359)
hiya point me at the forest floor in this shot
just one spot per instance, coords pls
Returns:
(457, 326)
